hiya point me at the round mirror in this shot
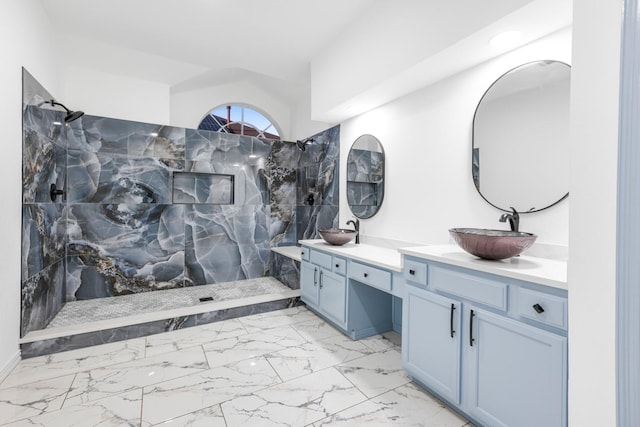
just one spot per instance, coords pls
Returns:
(365, 176)
(520, 149)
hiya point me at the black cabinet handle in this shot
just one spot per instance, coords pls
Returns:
(412, 272)
(538, 308)
(315, 279)
(453, 307)
(320, 279)
(471, 340)
(366, 275)
(337, 265)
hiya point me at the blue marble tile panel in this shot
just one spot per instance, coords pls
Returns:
(42, 297)
(325, 147)
(43, 164)
(46, 121)
(310, 219)
(100, 178)
(282, 225)
(226, 243)
(286, 270)
(124, 137)
(320, 181)
(222, 148)
(284, 154)
(43, 237)
(124, 248)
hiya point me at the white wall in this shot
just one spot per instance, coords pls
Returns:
(427, 140)
(189, 107)
(592, 219)
(26, 39)
(110, 95)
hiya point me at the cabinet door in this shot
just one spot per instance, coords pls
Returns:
(431, 341)
(309, 275)
(333, 297)
(516, 373)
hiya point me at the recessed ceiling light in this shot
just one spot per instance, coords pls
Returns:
(57, 123)
(506, 39)
(154, 134)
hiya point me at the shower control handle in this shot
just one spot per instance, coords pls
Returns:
(54, 192)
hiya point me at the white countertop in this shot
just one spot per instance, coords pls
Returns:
(375, 255)
(292, 252)
(549, 272)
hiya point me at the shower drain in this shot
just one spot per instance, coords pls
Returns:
(205, 299)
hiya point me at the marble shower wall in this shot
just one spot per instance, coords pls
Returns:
(43, 225)
(150, 207)
(154, 207)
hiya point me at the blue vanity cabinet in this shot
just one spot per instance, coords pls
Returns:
(322, 286)
(493, 347)
(431, 341)
(516, 373)
(309, 290)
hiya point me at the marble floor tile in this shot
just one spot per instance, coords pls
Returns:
(316, 330)
(406, 406)
(33, 399)
(310, 357)
(294, 403)
(255, 344)
(383, 342)
(184, 395)
(278, 318)
(377, 373)
(284, 368)
(120, 410)
(69, 362)
(207, 417)
(102, 382)
(189, 337)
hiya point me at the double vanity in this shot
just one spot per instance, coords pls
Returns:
(487, 337)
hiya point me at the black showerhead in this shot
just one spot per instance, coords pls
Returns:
(302, 144)
(71, 115)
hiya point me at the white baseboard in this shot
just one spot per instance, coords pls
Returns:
(8, 367)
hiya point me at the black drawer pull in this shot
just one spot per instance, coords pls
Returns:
(471, 340)
(337, 265)
(412, 272)
(366, 275)
(538, 308)
(453, 307)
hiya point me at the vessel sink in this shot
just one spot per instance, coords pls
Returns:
(337, 236)
(492, 244)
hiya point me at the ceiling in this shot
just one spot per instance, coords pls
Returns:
(189, 44)
(274, 38)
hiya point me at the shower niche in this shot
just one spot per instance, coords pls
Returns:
(203, 188)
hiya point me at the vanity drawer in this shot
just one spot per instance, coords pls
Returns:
(304, 253)
(339, 265)
(371, 276)
(477, 289)
(548, 309)
(322, 259)
(415, 272)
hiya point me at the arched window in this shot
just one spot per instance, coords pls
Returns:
(239, 119)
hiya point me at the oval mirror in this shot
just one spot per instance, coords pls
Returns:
(365, 176)
(520, 148)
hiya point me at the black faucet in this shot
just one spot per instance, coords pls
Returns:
(356, 225)
(514, 219)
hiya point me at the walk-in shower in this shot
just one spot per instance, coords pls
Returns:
(160, 227)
